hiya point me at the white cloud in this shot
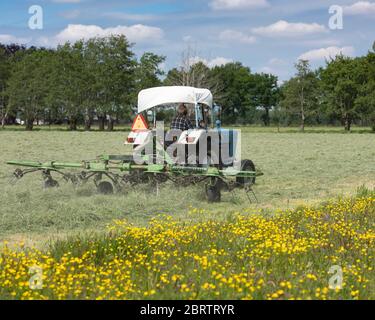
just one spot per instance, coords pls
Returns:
(7, 39)
(236, 36)
(194, 60)
(218, 61)
(238, 4)
(135, 33)
(286, 29)
(360, 8)
(326, 53)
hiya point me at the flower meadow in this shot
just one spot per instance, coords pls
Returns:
(323, 252)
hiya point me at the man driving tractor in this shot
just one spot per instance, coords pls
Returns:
(181, 121)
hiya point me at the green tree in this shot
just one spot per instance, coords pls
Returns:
(300, 93)
(235, 82)
(9, 55)
(365, 101)
(28, 86)
(147, 75)
(148, 72)
(265, 94)
(111, 65)
(67, 89)
(4, 75)
(342, 80)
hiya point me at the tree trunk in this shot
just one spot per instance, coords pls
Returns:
(72, 124)
(267, 117)
(372, 122)
(302, 98)
(348, 122)
(3, 119)
(87, 124)
(101, 121)
(88, 120)
(302, 121)
(111, 122)
(29, 124)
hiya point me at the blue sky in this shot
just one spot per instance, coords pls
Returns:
(266, 35)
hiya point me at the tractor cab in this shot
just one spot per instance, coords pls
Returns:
(203, 114)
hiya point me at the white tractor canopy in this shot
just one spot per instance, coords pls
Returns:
(153, 97)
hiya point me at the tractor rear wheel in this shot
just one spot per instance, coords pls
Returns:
(246, 165)
(105, 187)
(213, 193)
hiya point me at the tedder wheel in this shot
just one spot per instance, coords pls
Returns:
(50, 183)
(213, 193)
(105, 187)
(246, 165)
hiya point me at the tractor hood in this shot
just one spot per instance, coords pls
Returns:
(150, 98)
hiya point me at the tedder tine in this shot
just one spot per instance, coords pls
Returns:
(249, 189)
(13, 180)
(18, 174)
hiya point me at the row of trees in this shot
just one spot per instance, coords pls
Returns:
(344, 89)
(341, 92)
(100, 78)
(245, 97)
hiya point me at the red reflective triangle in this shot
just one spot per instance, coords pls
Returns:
(139, 123)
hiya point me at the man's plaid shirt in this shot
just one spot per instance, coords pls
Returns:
(182, 123)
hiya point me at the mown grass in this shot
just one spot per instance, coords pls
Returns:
(322, 252)
(298, 168)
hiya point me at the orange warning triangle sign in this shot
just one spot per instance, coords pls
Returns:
(139, 123)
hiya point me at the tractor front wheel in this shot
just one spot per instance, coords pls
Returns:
(105, 187)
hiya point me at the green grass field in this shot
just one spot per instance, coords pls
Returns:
(299, 169)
